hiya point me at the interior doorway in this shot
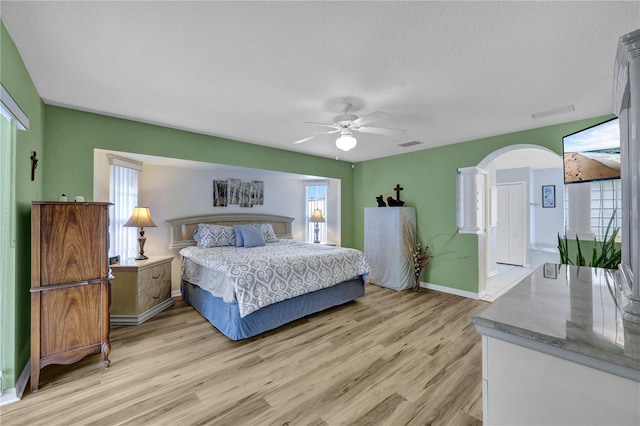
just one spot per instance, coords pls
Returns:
(515, 175)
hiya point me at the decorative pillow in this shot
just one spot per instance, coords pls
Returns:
(215, 235)
(237, 230)
(252, 236)
(267, 231)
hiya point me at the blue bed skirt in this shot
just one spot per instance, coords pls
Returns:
(226, 316)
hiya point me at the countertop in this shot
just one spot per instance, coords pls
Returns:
(570, 312)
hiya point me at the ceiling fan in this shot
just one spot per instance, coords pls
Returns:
(346, 124)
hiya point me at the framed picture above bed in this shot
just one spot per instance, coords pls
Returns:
(236, 192)
(220, 189)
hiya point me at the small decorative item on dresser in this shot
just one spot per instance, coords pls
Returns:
(397, 202)
(141, 217)
(380, 201)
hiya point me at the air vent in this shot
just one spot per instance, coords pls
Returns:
(408, 144)
(552, 112)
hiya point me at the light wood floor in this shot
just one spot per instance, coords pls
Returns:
(389, 358)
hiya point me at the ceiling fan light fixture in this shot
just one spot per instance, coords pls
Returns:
(346, 142)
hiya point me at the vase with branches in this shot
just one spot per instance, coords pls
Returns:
(419, 255)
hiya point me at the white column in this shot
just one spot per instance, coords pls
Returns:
(627, 105)
(579, 211)
(470, 200)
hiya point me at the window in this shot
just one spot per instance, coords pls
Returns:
(123, 193)
(316, 198)
(604, 202)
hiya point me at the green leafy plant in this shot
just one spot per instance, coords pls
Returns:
(605, 253)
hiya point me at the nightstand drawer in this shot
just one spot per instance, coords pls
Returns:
(140, 289)
(154, 277)
(151, 296)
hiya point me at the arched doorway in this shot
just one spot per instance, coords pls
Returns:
(523, 169)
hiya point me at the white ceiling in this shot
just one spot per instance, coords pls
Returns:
(447, 72)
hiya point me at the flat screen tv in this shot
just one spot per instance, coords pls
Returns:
(593, 153)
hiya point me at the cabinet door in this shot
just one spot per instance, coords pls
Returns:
(71, 318)
(72, 243)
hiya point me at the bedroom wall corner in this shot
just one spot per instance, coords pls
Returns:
(15, 332)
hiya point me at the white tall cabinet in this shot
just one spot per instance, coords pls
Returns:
(384, 246)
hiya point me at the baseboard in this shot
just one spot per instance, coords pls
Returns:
(15, 394)
(139, 319)
(176, 293)
(455, 291)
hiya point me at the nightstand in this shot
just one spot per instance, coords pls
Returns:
(140, 289)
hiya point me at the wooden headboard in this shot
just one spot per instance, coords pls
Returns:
(182, 228)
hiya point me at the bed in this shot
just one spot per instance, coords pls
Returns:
(245, 289)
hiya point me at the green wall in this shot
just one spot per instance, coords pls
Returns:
(71, 137)
(14, 296)
(429, 181)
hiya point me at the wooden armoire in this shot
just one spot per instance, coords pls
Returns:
(70, 292)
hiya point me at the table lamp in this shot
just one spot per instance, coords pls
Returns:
(316, 217)
(141, 217)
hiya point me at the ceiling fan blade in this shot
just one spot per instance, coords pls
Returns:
(333, 126)
(315, 136)
(370, 118)
(381, 131)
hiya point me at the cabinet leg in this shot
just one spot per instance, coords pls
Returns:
(106, 349)
(35, 379)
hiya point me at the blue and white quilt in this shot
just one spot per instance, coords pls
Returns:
(260, 276)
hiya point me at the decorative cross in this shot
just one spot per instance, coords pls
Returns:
(398, 188)
(34, 165)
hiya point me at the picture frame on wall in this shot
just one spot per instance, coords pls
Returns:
(257, 193)
(220, 193)
(548, 196)
(234, 191)
(245, 197)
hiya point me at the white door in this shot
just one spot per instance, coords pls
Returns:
(510, 230)
(502, 225)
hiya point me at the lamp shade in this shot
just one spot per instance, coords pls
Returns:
(316, 216)
(141, 217)
(346, 142)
